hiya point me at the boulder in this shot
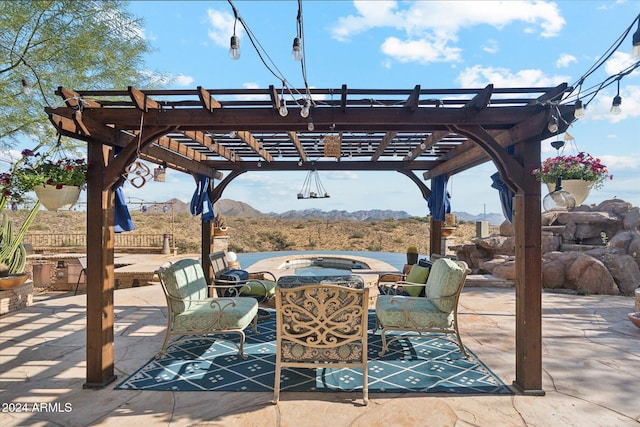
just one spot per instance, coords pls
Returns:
(505, 270)
(553, 276)
(624, 270)
(589, 275)
(506, 229)
(632, 219)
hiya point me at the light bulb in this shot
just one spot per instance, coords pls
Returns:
(304, 112)
(283, 108)
(553, 124)
(579, 110)
(615, 106)
(233, 134)
(27, 89)
(234, 49)
(310, 126)
(296, 52)
(635, 51)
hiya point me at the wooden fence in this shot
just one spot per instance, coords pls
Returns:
(67, 242)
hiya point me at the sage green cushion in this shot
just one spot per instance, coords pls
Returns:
(256, 288)
(217, 314)
(185, 279)
(410, 312)
(445, 279)
(417, 274)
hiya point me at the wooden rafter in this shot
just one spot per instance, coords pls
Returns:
(208, 101)
(248, 139)
(296, 142)
(413, 101)
(207, 141)
(388, 137)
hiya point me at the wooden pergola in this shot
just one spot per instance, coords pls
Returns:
(222, 133)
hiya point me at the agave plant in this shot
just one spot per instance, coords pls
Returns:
(13, 255)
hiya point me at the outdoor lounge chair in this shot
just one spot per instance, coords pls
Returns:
(435, 312)
(192, 312)
(259, 285)
(321, 326)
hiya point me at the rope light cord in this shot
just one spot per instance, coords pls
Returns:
(262, 53)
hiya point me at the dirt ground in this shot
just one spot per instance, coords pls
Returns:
(265, 234)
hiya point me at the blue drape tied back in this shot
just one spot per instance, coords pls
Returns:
(122, 219)
(200, 202)
(438, 201)
(506, 194)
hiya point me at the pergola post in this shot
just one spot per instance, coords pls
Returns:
(100, 270)
(435, 237)
(528, 281)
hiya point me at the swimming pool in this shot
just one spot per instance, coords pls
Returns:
(395, 260)
(323, 266)
(323, 263)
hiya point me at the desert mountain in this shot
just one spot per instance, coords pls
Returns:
(232, 208)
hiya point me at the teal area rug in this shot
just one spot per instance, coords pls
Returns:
(432, 365)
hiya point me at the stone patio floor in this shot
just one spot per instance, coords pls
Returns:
(591, 371)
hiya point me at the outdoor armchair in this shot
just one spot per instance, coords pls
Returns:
(192, 312)
(321, 326)
(435, 312)
(259, 284)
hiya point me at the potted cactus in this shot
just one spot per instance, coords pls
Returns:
(412, 255)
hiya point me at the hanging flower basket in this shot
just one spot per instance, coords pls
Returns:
(578, 187)
(54, 198)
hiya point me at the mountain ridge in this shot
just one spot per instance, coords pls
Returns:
(233, 208)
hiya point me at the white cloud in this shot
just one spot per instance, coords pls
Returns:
(565, 60)
(182, 80)
(619, 61)
(631, 161)
(478, 76)
(491, 46)
(421, 51)
(600, 108)
(222, 27)
(432, 27)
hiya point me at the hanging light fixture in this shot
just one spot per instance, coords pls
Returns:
(579, 109)
(27, 89)
(304, 112)
(234, 44)
(310, 125)
(559, 199)
(635, 51)
(617, 101)
(553, 124)
(296, 52)
(312, 187)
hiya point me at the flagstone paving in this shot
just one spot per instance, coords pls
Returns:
(591, 371)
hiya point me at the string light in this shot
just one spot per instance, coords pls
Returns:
(296, 52)
(617, 101)
(635, 51)
(579, 110)
(310, 125)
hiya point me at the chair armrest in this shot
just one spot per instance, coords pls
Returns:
(391, 277)
(261, 275)
(231, 287)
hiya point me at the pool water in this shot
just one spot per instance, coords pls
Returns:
(397, 260)
(321, 271)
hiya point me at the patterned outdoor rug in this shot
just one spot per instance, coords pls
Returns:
(432, 365)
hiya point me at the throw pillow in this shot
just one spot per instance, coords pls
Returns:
(417, 274)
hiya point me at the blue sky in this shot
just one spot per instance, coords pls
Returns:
(389, 44)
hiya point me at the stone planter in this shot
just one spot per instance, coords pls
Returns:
(12, 281)
(220, 231)
(53, 198)
(578, 187)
